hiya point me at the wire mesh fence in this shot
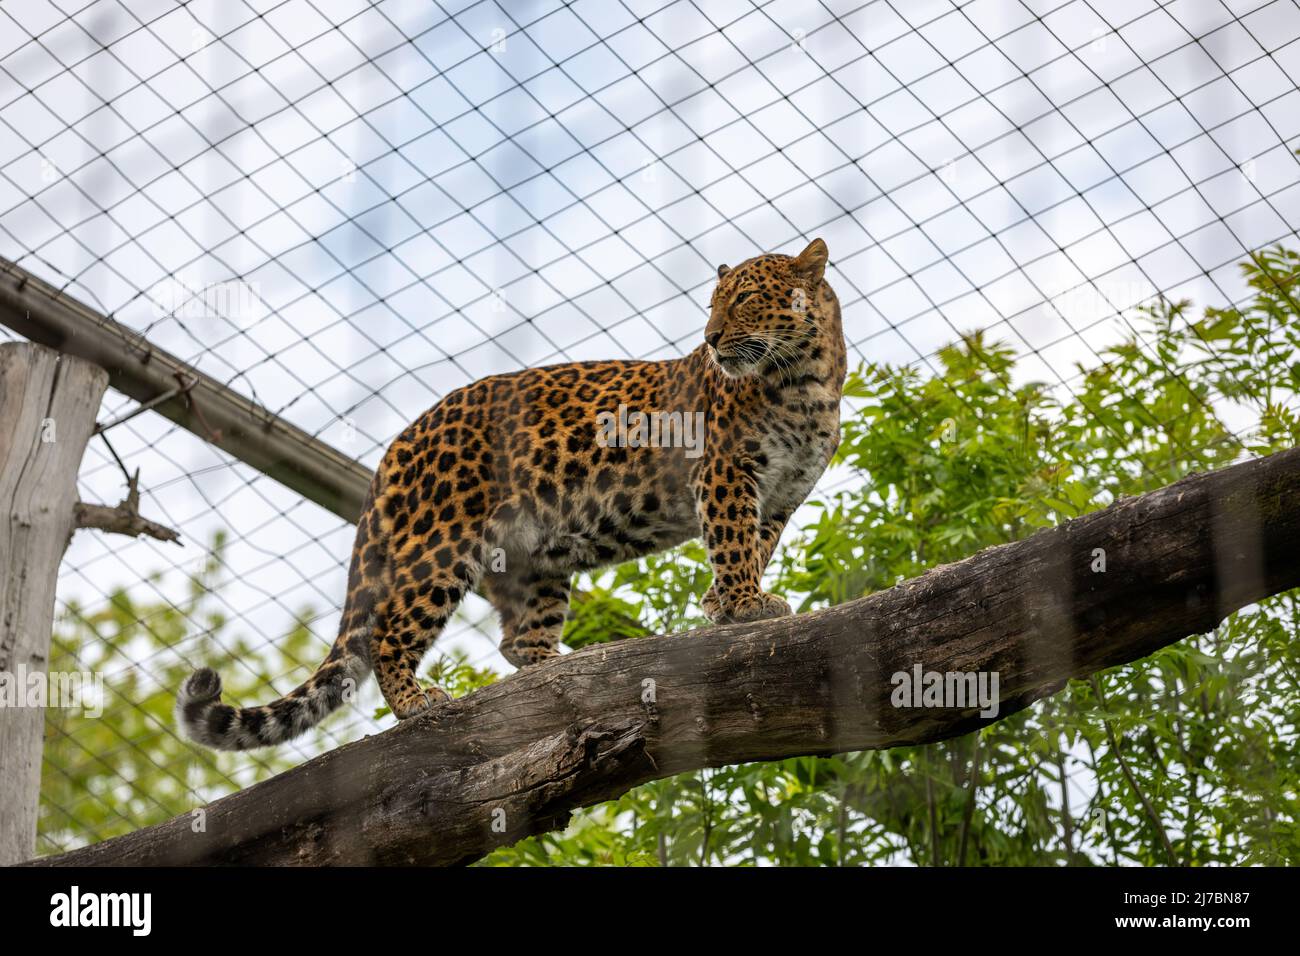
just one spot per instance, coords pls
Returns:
(344, 210)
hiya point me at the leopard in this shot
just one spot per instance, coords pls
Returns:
(510, 486)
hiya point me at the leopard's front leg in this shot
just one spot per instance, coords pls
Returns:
(769, 533)
(739, 544)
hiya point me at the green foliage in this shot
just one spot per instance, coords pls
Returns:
(1202, 733)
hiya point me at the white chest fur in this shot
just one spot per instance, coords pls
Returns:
(797, 448)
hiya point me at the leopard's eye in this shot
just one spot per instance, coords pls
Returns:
(744, 295)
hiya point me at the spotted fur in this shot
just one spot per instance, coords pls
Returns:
(506, 487)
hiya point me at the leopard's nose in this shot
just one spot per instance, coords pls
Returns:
(713, 338)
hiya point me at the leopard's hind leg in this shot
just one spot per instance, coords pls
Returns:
(427, 586)
(532, 608)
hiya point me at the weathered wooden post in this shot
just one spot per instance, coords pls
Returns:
(48, 404)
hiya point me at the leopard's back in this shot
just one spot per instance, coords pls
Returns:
(526, 449)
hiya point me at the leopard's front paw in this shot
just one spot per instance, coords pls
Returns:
(751, 607)
(761, 606)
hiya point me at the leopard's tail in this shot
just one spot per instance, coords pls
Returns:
(204, 719)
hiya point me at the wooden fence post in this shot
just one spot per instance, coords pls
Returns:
(48, 404)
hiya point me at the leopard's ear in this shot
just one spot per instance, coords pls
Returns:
(811, 263)
(723, 270)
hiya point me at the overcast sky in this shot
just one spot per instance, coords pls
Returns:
(378, 204)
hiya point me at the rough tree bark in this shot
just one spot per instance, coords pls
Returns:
(47, 414)
(515, 758)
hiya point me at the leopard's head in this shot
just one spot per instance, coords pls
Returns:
(764, 312)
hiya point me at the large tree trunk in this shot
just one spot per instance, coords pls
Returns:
(515, 758)
(48, 404)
